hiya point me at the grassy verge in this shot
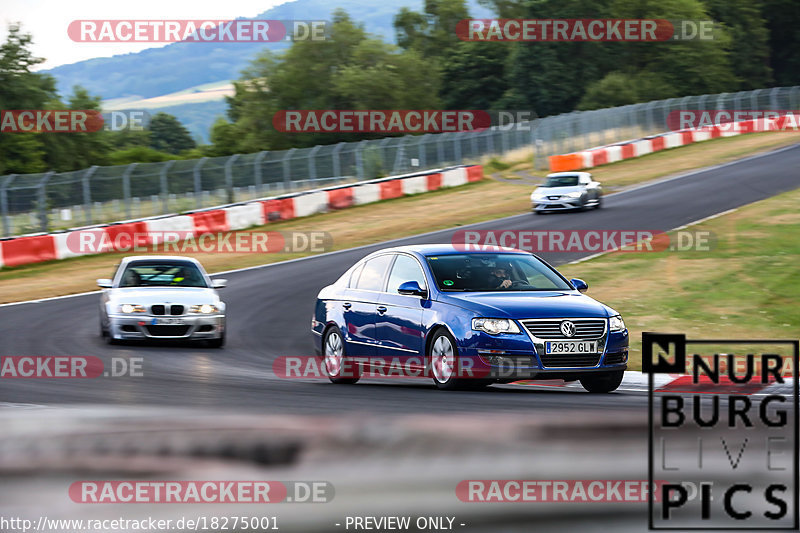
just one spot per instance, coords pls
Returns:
(387, 220)
(745, 287)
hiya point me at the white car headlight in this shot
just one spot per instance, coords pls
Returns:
(494, 326)
(576, 194)
(205, 309)
(615, 323)
(131, 308)
(537, 196)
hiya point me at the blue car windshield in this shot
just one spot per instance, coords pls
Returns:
(489, 272)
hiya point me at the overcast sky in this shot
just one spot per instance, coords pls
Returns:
(47, 21)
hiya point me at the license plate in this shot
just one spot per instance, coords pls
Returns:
(168, 322)
(571, 347)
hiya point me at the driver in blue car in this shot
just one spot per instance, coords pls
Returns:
(500, 277)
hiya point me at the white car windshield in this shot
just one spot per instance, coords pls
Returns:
(561, 181)
(162, 274)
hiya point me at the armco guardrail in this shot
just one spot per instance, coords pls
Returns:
(639, 147)
(45, 247)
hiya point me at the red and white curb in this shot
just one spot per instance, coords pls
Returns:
(635, 381)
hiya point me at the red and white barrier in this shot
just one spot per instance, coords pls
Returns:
(639, 147)
(34, 249)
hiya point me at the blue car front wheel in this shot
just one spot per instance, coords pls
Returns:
(340, 369)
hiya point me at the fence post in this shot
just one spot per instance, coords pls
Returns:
(360, 159)
(457, 148)
(162, 176)
(287, 171)
(337, 164)
(126, 189)
(42, 196)
(229, 177)
(384, 159)
(773, 98)
(4, 204)
(259, 182)
(197, 183)
(312, 164)
(754, 100)
(794, 101)
(87, 194)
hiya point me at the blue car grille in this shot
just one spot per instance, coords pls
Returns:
(570, 360)
(585, 328)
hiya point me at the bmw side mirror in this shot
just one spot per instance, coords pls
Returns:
(412, 288)
(579, 284)
(219, 283)
(104, 283)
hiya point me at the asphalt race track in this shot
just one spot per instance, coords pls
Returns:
(269, 311)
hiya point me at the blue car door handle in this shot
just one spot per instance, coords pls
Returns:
(381, 309)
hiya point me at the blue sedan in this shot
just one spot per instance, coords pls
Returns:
(466, 319)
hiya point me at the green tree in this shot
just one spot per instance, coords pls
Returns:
(20, 88)
(352, 70)
(433, 31)
(783, 23)
(749, 40)
(167, 134)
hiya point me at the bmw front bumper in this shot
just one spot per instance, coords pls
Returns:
(561, 204)
(194, 327)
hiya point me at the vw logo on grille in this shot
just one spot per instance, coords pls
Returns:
(568, 328)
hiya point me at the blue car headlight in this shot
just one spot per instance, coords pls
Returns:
(495, 326)
(615, 323)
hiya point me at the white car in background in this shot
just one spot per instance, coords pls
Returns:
(162, 297)
(563, 191)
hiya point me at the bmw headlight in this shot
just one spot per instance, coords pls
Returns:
(615, 323)
(494, 326)
(131, 308)
(205, 309)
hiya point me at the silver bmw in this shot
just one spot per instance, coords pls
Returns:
(162, 297)
(563, 191)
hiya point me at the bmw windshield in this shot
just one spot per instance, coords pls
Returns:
(162, 274)
(561, 181)
(487, 272)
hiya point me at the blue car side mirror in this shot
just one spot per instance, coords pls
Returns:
(579, 284)
(412, 288)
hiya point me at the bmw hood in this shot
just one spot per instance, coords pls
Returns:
(560, 191)
(530, 304)
(160, 295)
